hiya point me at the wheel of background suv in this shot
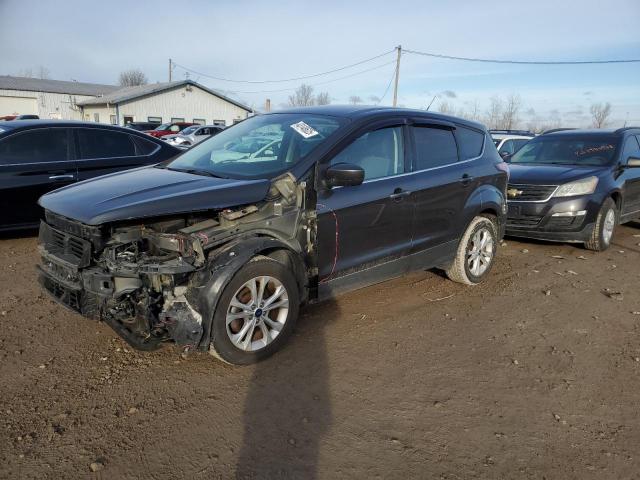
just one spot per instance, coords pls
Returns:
(256, 312)
(476, 252)
(604, 227)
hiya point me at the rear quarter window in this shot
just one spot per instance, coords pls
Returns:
(470, 142)
(144, 146)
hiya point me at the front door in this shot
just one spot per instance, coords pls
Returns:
(32, 163)
(366, 225)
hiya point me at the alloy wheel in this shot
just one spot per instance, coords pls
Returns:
(480, 252)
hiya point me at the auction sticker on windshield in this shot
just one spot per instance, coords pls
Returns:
(305, 130)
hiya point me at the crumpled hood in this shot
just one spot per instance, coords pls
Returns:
(550, 174)
(149, 192)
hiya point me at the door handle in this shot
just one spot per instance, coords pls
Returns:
(398, 194)
(466, 179)
(62, 177)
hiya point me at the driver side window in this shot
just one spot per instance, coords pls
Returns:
(631, 149)
(380, 153)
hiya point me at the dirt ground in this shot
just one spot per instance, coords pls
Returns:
(534, 374)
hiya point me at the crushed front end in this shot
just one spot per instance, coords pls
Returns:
(145, 279)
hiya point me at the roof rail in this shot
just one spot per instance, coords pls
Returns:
(624, 129)
(514, 132)
(554, 130)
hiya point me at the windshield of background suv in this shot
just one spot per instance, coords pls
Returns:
(584, 150)
(164, 126)
(259, 147)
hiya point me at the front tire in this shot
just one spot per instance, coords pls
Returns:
(476, 252)
(256, 313)
(603, 229)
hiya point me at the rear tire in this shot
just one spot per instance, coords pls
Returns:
(476, 252)
(248, 334)
(603, 229)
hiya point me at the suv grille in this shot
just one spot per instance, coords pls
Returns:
(70, 249)
(522, 221)
(530, 193)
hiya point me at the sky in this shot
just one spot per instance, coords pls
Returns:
(93, 41)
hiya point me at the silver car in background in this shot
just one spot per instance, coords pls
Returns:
(192, 135)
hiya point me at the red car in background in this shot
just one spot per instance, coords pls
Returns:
(168, 129)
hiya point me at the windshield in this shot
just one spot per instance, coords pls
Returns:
(568, 150)
(259, 147)
(190, 130)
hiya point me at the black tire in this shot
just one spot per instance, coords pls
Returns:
(598, 240)
(459, 271)
(221, 345)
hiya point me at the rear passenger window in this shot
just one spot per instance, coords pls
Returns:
(380, 153)
(35, 146)
(435, 147)
(143, 146)
(98, 143)
(470, 142)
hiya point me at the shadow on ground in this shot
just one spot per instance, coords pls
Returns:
(287, 410)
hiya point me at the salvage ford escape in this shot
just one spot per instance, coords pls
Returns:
(218, 248)
(575, 186)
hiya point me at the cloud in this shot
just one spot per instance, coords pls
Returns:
(450, 94)
(588, 93)
(530, 112)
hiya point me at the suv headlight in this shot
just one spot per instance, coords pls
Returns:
(584, 186)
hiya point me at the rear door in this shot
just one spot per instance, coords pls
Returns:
(441, 183)
(32, 163)
(102, 151)
(631, 195)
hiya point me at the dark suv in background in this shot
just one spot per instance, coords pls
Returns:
(218, 248)
(37, 156)
(575, 185)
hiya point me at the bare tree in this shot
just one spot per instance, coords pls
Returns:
(132, 78)
(355, 100)
(600, 114)
(323, 98)
(510, 113)
(25, 72)
(494, 113)
(375, 99)
(302, 97)
(446, 108)
(42, 72)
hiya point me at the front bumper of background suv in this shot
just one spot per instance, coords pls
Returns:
(544, 217)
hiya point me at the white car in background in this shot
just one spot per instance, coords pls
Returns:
(192, 135)
(508, 142)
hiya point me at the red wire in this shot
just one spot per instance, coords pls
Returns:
(335, 258)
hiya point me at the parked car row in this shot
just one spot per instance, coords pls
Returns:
(217, 247)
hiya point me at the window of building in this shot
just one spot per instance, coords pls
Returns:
(199, 121)
(380, 153)
(103, 143)
(435, 147)
(114, 120)
(176, 119)
(35, 146)
(220, 122)
(154, 119)
(96, 117)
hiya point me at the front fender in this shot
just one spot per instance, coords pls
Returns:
(221, 268)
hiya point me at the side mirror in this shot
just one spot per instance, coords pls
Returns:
(505, 156)
(633, 162)
(344, 175)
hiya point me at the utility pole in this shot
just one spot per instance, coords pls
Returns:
(170, 68)
(395, 86)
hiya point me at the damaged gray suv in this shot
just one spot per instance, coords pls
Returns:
(218, 248)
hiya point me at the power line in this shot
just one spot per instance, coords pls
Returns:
(319, 83)
(303, 77)
(520, 62)
(388, 86)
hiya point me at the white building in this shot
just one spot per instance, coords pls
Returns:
(184, 100)
(47, 98)
(181, 101)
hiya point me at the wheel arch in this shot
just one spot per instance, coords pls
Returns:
(230, 258)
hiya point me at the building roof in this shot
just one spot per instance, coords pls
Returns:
(130, 93)
(8, 82)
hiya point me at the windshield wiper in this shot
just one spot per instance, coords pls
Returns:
(195, 171)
